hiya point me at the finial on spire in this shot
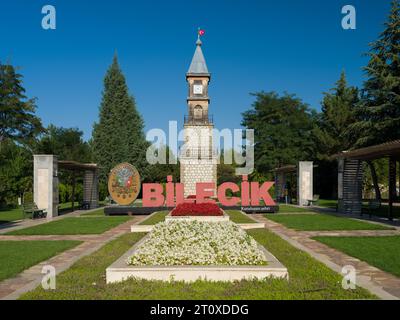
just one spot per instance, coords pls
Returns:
(200, 33)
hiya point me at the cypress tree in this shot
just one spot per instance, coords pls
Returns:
(379, 110)
(337, 114)
(119, 135)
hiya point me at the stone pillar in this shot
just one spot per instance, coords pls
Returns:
(350, 182)
(392, 185)
(340, 185)
(305, 182)
(45, 183)
(198, 159)
(91, 188)
(280, 183)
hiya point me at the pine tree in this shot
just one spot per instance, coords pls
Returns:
(379, 110)
(119, 135)
(18, 121)
(337, 114)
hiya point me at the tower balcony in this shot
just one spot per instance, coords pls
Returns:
(199, 121)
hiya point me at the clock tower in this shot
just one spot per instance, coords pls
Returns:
(198, 156)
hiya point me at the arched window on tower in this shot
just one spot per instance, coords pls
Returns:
(198, 112)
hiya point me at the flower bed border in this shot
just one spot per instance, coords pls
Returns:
(120, 271)
(223, 218)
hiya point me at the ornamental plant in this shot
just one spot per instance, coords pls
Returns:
(197, 209)
(182, 243)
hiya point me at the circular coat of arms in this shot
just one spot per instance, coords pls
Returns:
(124, 184)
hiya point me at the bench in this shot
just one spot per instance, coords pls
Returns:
(32, 211)
(314, 200)
(85, 205)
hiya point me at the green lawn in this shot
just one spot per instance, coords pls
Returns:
(17, 214)
(309, 279)
(327, 203)
(322, 222)
(155, 218)
(73, 225)
(381, 252)
(238, 217)
(284, 208)
(10, 215)
(16, 256)
(381, 212)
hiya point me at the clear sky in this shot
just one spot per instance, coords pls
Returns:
(296, 46)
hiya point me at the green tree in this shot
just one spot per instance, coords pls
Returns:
(66, 143)
(331, 133)
(16, 169)
(378, 115)
(337, 114)
(159, 172)
(226, 171)
(119, 134)
(18, 121)
(282, 130)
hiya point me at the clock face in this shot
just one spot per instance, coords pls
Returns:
(198, 89)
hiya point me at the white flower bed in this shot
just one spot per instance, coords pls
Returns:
(182, 243)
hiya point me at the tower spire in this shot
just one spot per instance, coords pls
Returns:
(198, 65)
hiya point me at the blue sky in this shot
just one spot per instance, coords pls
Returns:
(296, 46)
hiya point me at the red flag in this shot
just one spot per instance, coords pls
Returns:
(201, 32)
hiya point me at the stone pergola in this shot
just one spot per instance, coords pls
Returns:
(350, 175)
(45, 182)
(304, 173)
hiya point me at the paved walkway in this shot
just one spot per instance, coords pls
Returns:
(29, 279)
(383, 284)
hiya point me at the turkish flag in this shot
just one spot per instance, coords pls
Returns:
(201, 32)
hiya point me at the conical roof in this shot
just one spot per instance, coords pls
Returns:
(198, 65)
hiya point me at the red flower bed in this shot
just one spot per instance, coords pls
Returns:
(197, 209)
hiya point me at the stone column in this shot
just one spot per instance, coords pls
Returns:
(305, 182)
(45, 183)
(392, 185)
(280, 182)
(350, 182)
(91, 188)
(340, 207)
